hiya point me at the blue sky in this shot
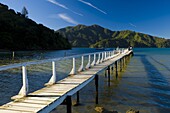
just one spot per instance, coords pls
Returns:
(146, 16)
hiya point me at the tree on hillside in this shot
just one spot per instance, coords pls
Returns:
(24, 12)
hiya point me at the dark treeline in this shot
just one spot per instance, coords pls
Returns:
(99, 37)
(17, 32)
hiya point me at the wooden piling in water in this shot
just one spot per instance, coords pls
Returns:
(116, 70)
(69, 104)
(96, 84)
(78, 100)
(108, 69)
(120, 64)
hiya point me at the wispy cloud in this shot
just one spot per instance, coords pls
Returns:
(132, 25)
(66, 18)
(91, 5)
(63, 6)
(56, 3)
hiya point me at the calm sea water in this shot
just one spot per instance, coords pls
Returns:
(143, 85)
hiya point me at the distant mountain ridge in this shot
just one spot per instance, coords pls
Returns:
(98, 37)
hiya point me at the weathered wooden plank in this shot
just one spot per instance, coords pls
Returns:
(25, 104)
(12, 111)
(42, 98)
(37, 101)
(20, 108)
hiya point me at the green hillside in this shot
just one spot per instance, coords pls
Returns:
(97, 36)
(17, 32)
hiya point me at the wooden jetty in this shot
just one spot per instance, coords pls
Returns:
(59, 92)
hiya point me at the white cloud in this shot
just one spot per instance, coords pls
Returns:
(76, 13)
(66, 18)
(91, 5)
(63, 6)
(56, 3)
(132, 25)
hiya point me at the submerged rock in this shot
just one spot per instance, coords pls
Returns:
(132, 111)
(103, 110)
(99, 109)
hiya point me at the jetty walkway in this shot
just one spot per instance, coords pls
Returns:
(59, 92)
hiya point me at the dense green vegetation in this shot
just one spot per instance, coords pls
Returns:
(98, 37)
(18, 32)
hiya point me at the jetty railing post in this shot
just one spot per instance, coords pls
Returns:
(69, 104)
(88, 64)
(109, 55)
(53, 78)
(96, 84)
(82, 64)
(24, 90)
(73, 71)
(98, 61)
(94, 61)
(102, 57)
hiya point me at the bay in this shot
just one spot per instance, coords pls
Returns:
(143, 85)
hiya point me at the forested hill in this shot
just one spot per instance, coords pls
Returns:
(97, 36)
(17, 32)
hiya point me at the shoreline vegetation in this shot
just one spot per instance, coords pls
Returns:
(18, 32)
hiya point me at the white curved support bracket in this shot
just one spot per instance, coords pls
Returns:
(105, 56)
(24, 90)
(94, 61)
(53, 77)
(82, 64)
(109, 55)
(98, 61)
(88, 64)
(102, 58)
(73, 71)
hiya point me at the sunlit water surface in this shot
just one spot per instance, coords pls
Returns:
(143, 85)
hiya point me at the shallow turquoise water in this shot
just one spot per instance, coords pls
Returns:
(143, 85)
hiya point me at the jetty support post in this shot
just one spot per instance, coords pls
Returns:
(105, 73)
(78, 98)
(112, 69)
(96, 84)
(108, 69)
(73, 71)
(124, 61)
(116, 69)
(69, 104)
(120, 64)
